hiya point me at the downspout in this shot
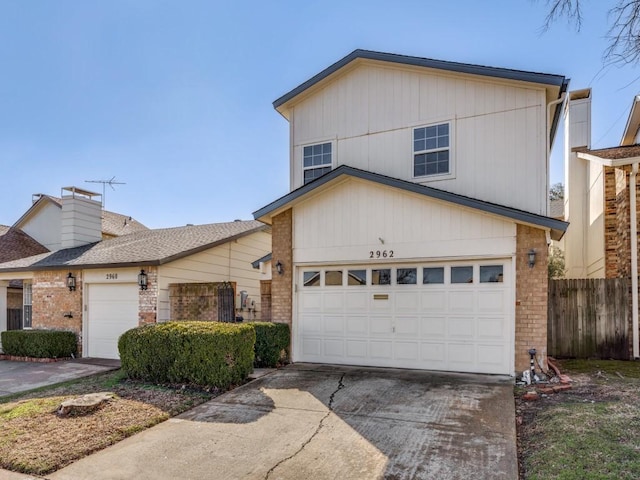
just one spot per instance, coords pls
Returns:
(634, 258)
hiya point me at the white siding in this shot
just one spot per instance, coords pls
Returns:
(595, 226)
(411, 225)
(81, 221)
(230, 262)
(44, 226)
(369, 113)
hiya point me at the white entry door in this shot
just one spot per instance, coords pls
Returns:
(453, 316)
(112, 309)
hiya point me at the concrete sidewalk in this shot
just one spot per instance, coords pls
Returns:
(22, 376)
(328, 422)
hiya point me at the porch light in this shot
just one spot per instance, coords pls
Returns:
(532, 258)
(71, 282)
(279, 268)
(142, 280)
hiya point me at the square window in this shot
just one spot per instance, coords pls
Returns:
(491, 274)
(311, 279)
(333, 277)
(461, 274)
(316, 161)
(381, 277)
(357, 277)
(406, 276)
(431, 146)
(432, 275)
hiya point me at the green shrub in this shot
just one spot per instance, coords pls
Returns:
(201, 353)
(272, 343)
(39, 343)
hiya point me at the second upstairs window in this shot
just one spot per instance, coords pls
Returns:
(316, 161)
(431, 149)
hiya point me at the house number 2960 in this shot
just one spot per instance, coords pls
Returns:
(381, 254)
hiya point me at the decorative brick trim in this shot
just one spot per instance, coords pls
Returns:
(13, 358)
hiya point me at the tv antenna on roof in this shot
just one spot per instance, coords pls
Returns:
(111, 182)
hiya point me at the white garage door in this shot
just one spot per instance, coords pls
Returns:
(112, 310)
(454, 317)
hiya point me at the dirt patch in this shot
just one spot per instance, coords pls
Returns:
(590, 431)
(37, 441)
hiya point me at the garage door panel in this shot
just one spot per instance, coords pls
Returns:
(434, 327)
(112, 309)
(434, 301)
(357, 326)
(357, 349)
(438, 325)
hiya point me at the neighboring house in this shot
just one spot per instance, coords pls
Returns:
(418, 197)
(180, 266)
(45, 227)
(601, 196)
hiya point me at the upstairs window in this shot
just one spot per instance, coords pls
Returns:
(316, 161)
(431, 150)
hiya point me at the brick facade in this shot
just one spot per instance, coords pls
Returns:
(281, 285)
(148, 299)
(531, 296)
(52, 303)
(265, 300)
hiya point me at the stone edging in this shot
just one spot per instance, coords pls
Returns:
(13, 358)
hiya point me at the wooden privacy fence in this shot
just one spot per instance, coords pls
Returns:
(589, 318)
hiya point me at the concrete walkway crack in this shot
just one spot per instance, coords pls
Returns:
(317, 430)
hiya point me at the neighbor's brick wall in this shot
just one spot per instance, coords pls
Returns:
(51, 299)
(281, 290)
(265, 300)
(531, 296)
(148, 299)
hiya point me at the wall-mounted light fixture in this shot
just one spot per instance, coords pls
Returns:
(279, 267)
(71, 282)
(142, 280)
(532, 258)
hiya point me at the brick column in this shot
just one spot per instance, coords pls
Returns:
(148, 299)
(531, 296)
(281, 290)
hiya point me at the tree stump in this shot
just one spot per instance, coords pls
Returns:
(84, 404)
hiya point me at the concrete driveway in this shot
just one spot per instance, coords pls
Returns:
(327, 422)
(22, 376)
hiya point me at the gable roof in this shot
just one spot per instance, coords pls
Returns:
(549, 80)
(113, 224)
(148, 247)
(557, 227)
(14, 244)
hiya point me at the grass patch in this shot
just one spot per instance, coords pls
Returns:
(591, 432)
(36, 441)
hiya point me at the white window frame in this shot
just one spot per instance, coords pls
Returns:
(314, 167)
(434, 176)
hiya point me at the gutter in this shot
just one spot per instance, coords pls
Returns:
(634, 258)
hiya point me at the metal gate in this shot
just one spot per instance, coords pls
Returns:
(226, 302)
(14, 319)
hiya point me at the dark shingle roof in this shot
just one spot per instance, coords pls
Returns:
(148, 247)
(556, 208)
(557, 227)
(14, 244)
(616, 153)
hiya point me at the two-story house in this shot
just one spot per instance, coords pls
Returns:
(416, 228)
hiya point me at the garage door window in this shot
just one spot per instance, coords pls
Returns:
(407, 276)
(433, 275)
(462, 274)
(381, 277)
(311, 279)
(357, 277)
(491, 274)
(333, 277)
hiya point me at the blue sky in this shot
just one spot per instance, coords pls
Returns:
(175, 97)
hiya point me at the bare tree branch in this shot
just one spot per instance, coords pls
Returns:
(624, 33)
(571, 9)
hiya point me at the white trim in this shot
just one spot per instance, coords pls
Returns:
(607, 162)
(452, 164)
(334, 144)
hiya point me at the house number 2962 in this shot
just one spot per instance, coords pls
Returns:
(381, 254)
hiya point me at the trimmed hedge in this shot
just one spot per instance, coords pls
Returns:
(201, 353)
(39, 343)
(272, 343)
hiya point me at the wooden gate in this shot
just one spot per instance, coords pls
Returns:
(589, 318)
